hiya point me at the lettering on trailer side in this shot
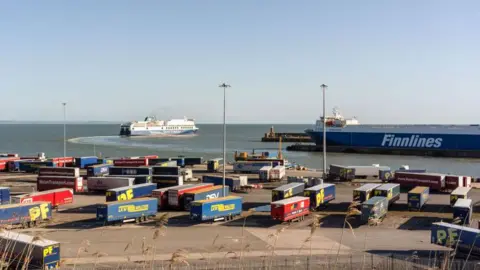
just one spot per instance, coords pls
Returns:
(288, 193)
(38, 211)
(447, 237)
(222, 207)
(392, 140)
(213, 196)
(130, 208)
(320, 196)
(47, 251)
(127, 195)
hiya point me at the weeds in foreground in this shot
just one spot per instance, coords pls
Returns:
(351, 213)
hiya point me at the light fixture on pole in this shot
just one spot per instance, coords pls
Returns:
(64, 131)
(324, 87)
(224, 86)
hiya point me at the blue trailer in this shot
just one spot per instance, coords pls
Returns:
(191, 161)
(130, 171)
(139, 179)
(204, 194)
(14, 165)
(166, 170)
(180, 161)
(131, 192)
(98, 170)
(462, 210)
(122, 211)
(4, 195)
(385, 175)
(224, 207)
(83, 162)
(320, 195)
(44, 254)
(233, 182)
(29, 213)
(464, 239)
(417, 197)
(34, 166)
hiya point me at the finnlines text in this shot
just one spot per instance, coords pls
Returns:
(412, 141)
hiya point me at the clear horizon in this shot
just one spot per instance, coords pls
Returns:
(385, 62)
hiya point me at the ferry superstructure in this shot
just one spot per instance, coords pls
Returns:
(352, 136)
(150, 126)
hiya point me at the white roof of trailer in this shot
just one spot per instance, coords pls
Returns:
(458, 227)
(463, 203)
(287, 186)
(387, 186)
(368, 187)
(318, 187)
(290, 200)
(25, 238)
(128, 187)
(461, 190)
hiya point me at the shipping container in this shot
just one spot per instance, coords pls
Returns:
(462, 211)
(287, 191)
(176, 194)
(233, 182)
(106, 183)
(464, 239)
(343, 173)
(417, 197)
(277, 172)
(372, 171)
(4, 195)
(139, 179)
(121, 211)
(158, 170)
(167, 180)
(55, 182)
(149, 156)
(434, 181)
(314, 181)
(385, 175)
(130, 171)
(29, 214)
(59, 171)
(55, 197)
(213, 209)
(4, 161)
(63, 161)
(289, 209)
(131, 192)
(250, 166)
(98, 170)
(459, 193)
(204, 194)
(320, 195)
(453, 181)
(213, 164)
(467, 181)
(14, 165)
(33, 166)
(297, 179)
(83, 162)
(364, 193)
(264, 173)
(131, 162)
(162, 162)
(4, 155)
(374, 208)
(389, 191)
(180, 161)
(192, 161)
(162, 196)
(186, 173)
(24, 251)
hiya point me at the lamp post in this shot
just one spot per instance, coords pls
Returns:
(64, 131)
(324, 87)
(224, 86)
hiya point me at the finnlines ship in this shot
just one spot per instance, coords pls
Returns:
(348, 135)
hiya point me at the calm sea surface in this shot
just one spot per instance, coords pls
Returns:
(101, 139)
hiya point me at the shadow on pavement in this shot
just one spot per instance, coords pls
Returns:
(87, 209)
(421, 223)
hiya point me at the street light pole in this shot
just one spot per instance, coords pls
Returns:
(224, 86)
(64, 131)
(324, 87)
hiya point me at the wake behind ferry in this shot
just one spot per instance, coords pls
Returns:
(153, 127)
(348, 135)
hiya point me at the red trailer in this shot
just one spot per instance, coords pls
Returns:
(55, 182)
(56, 197)
(162, 196)
(131, 162)
(150, 156)
(289, 209)
(453, 181)
(175, 194)
(63, 161)
(4, 162)
(59, 171)
(435, 181)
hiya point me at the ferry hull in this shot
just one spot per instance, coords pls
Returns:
(446, 145)
(159, 133)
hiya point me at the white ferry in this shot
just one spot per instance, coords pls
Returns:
(153, 127)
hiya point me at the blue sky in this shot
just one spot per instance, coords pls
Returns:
(384, 61)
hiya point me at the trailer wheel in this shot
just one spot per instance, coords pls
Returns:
(138, 220)
(145, 218)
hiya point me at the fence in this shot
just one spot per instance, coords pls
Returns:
(345, 262)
